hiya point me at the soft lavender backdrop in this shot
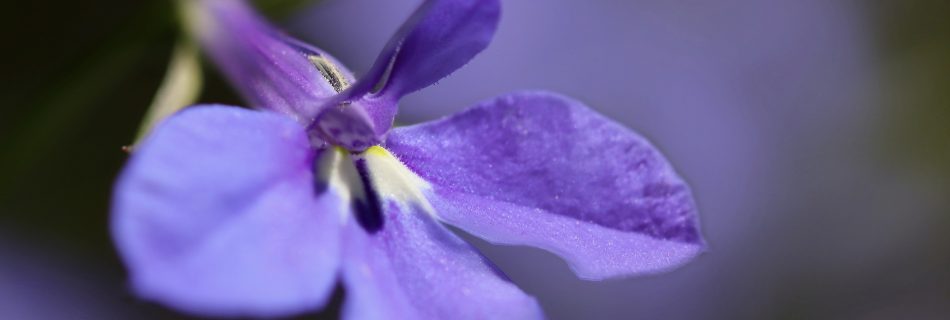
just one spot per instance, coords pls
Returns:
(766, 107)
(814, 134)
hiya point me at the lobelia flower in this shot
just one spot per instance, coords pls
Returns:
(228, 211)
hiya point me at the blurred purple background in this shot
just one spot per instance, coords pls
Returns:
(815, 135)
(766, 107)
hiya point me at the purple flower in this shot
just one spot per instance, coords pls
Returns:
(229, 211)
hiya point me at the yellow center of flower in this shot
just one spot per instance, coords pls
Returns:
(369, 180)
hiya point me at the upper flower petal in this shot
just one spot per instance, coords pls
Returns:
(542, 170)
(440, 37)
(216, 213)
(414, 268)
(270, 69)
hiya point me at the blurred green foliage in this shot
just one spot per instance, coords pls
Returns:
(914, 40)
(76, 87)
(78, 78)
(280, 8)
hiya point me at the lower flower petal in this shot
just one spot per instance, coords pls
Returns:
(216, 213)
(409, 266)
(542, 170)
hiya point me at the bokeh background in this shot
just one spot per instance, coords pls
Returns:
(815, 135)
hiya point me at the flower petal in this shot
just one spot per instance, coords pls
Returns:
(268, 68)
(543, 170)
(440, 37)
(414, 268)
(216, 213)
